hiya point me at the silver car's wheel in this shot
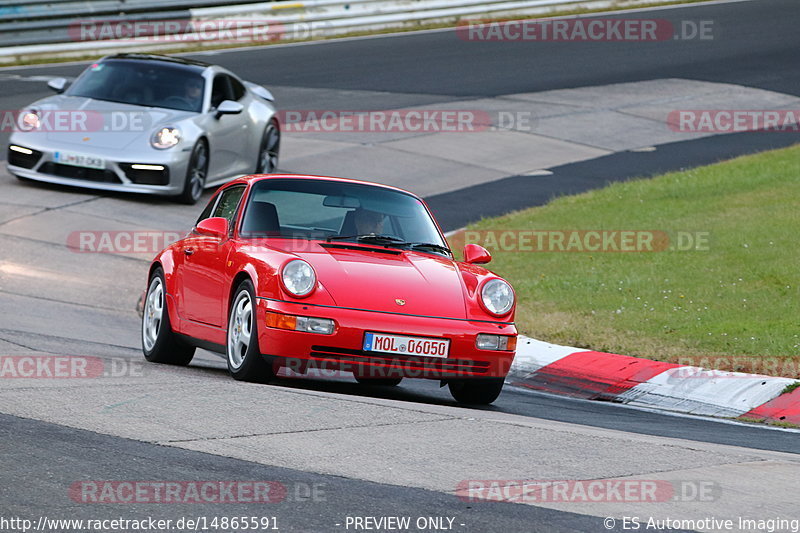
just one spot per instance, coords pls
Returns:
(195, 174)
(270, 147)
(159, 343)
(245, 361)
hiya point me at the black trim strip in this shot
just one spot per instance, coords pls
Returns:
(384, 312)
(360, 248)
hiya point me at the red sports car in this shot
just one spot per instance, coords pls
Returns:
(331, 273)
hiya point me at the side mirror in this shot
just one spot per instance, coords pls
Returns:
(476, 254)
(213, 227)
(58, 84)
(229, 107)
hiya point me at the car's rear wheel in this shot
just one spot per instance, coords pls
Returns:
(379, 382)
(159, 343)
(478, 391)
(196, 174)
(245, 362)
(270, 147)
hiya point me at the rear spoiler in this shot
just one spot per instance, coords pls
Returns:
(260, 91)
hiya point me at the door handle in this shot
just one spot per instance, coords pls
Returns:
(188, 251)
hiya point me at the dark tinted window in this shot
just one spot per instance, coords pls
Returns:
(237, 88)
(228, 202)
(221, 90)
(207, 211)
(145, 83)
(316, 209)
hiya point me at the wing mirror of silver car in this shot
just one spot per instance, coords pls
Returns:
(229, 107)
(58, 84)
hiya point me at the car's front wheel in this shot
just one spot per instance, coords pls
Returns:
(270, 147)
(196, 174)
(159, 343)
(477, 391)
(245, 362)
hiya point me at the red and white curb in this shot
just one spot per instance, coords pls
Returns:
(653, 384)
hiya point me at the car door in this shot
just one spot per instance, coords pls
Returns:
(253, 129)
(227, 134)
(203, 265)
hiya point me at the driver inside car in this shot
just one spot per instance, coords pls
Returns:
(367, 221)
(193, 92)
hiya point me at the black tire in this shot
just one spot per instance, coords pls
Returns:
(478, 391)
(159, 343)
(379, 382)
(196, 174)
(269, 149)
(245, 362)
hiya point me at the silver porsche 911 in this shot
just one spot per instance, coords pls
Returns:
(148, 124)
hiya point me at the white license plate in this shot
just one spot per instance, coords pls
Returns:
(401, 344)
(79, 160)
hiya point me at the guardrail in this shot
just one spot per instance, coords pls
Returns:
(58, 27)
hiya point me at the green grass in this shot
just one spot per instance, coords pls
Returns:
(791, 388)
(738, 296)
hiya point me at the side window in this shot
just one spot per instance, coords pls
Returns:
(207, 211)
(237, 89)
(228, 202)
(220, 90)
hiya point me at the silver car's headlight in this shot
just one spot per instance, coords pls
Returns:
(298, 277)
(166, 137)
(28, 121)
(497, 297)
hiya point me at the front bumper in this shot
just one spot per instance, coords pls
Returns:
(118, 174)
(343, 350)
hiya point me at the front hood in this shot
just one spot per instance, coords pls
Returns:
(410, 282)
(79, 121)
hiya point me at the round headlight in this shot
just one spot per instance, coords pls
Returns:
(298, 277)
(166, 137)
(497, 296)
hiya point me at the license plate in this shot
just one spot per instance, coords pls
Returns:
(79, 160)
(401, 344)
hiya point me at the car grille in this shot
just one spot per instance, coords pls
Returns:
(426, 364)
(23, 160)
(79, 173)
(145, 177)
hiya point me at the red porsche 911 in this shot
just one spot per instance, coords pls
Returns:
(315, 272)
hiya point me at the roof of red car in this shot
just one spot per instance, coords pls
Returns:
(259, 177)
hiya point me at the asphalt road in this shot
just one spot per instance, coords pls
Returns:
(755, 45)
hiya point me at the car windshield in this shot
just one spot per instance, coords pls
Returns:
(145, 83)
(340, 212)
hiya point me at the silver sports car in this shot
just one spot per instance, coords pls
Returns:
(148, 124)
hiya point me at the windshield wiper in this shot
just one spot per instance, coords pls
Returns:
(369, 238)
(429, 246)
